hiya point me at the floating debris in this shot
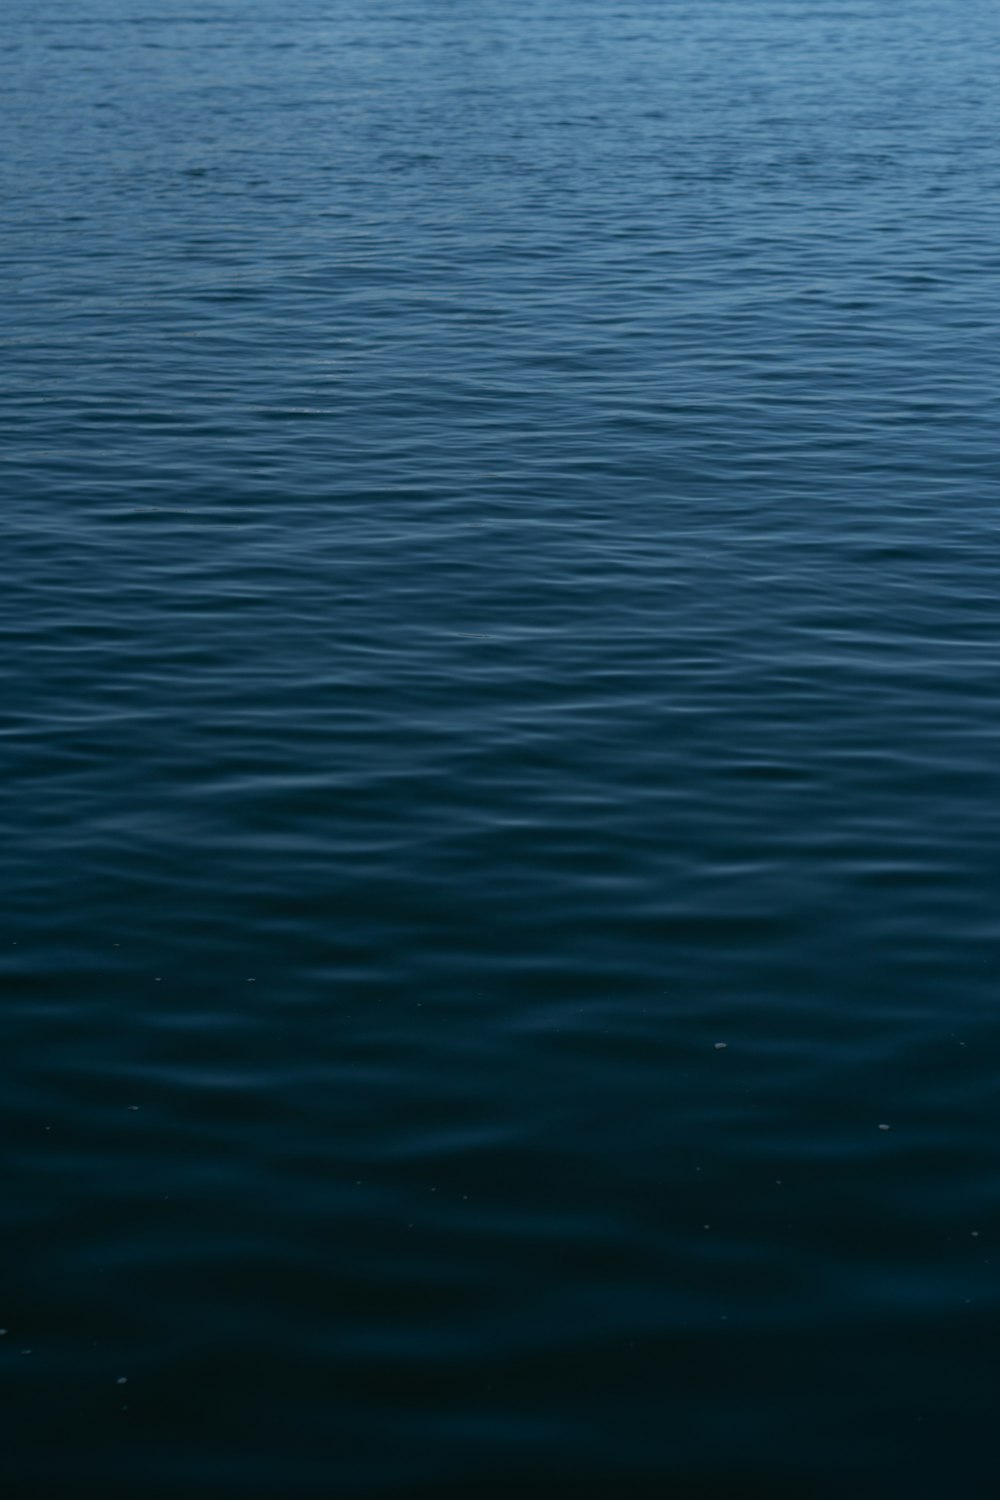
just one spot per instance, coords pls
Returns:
(721, 1046)
(885, 1127)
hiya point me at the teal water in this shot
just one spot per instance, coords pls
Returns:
(501, 749)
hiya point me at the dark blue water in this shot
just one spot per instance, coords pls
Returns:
(501, 749)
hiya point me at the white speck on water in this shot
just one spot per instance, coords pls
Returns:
(885, 1127)
(25, 1351)
(122, 1380)
(975, 1234)
(2, 1332)
(706, 1226)
(133, 1106)
(721, 1046)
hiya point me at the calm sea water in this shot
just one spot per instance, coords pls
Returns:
(501, 748)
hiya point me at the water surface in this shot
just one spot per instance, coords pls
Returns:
(501, 626)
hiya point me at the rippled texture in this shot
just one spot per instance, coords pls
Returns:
(501, 624)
